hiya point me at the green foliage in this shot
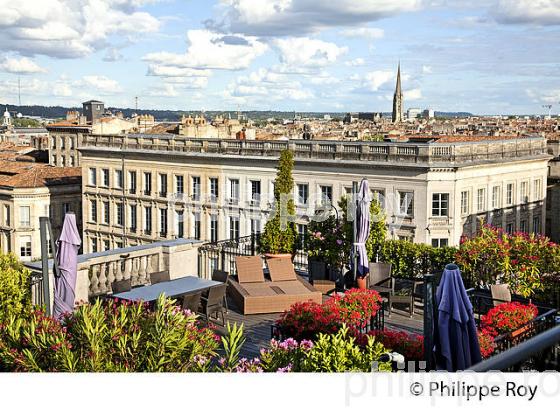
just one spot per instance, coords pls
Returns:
(232, 343)
(331, 240)
(26, 123)
(413, 260)
(338, 352)
(328, 241)
(112, 337)
(280, 233)
(526, 262)
(15, 288)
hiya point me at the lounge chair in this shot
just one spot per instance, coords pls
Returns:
(255, 294)
(214, 302)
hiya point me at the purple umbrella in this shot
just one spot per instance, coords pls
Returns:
(361, 231)
(67, 257)
(456, 339)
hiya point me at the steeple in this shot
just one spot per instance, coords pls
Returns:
(398, 99)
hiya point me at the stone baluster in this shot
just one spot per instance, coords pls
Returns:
(103, 288)
(93, 280)
(110, 273)
(127, 268)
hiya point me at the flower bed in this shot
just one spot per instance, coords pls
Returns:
(307, 319)
(411, 346)
(507, 317)
(487, 344)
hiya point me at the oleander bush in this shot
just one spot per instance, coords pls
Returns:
(110, 337)
(528, 263)
(15, 287)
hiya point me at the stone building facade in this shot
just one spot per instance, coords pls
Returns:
(142, 188)
(28, 191)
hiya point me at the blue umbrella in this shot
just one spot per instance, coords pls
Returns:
(456, 339)
(361, 231)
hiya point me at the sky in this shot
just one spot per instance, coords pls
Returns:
(480, 56)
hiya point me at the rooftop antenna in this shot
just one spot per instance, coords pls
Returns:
(549, 106)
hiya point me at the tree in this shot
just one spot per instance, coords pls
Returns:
(280, 232)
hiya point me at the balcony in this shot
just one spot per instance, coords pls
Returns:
(97, 271)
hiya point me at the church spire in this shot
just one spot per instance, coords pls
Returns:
(398, 98)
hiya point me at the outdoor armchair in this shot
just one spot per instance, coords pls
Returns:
(219, 276)
(121, 286)
(213, 303)
(192, 301)
(394, 290)
(500, 294)
(158, 277)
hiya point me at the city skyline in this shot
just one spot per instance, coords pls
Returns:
(492, 57)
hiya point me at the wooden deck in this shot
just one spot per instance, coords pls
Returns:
(258, 327)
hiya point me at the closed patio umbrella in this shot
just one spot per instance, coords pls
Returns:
(67, 257)
(456, 340)
(361, 232)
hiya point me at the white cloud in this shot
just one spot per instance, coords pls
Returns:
(112, 54)
(307, 52)
(370, 33)
(412, 95)
(264, 86)
(68, 28)
(170, 71)
(426, 69)
(21, 65)
(62, 89)
(99, 84)
(550, 96)
(163, 90)
(297, 17)
(207, 50)
(375, 79)
(356, 62)
(324, 80)
(541, 12)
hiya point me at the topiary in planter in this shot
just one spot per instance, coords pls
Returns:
(280, 232)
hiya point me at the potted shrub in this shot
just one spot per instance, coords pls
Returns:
(279, 236)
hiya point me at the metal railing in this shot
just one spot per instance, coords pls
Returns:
(541, 351)
(482, 302)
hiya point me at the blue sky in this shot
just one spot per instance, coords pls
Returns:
(487, 56)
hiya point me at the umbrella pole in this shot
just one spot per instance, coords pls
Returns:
(43, 221)
(354, 230)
